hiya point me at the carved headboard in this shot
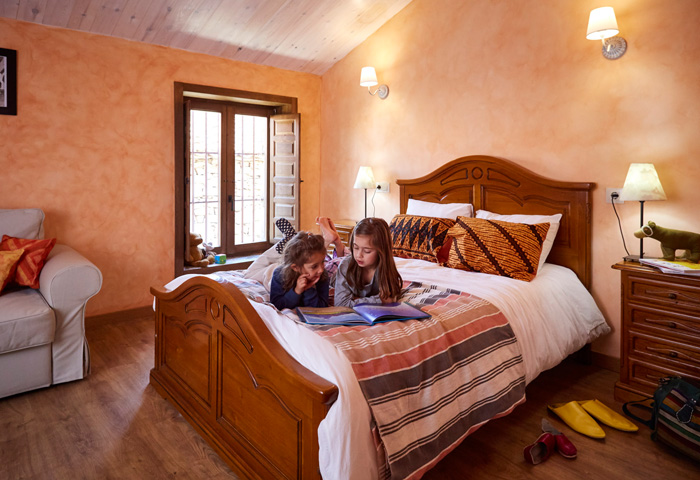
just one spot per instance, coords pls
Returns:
(503, 187)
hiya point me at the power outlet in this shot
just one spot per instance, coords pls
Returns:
(609, 193)
(383, 187)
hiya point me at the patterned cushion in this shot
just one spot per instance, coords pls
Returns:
(499, 248)
(414, 236)
(8, 265)
(35, 253)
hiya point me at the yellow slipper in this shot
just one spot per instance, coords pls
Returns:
(576, 417)
(608, 416)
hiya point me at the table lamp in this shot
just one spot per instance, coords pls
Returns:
(365, 179)
(642, 184)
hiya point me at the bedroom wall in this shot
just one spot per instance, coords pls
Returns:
(92, 145)
(517, 79)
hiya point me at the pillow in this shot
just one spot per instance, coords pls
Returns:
(415, 236)
(8, 264)
(553, 221)
(439, 210)
(35, 253)
(499, 248)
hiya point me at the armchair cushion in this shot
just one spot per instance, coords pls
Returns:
(31, 263)
(25, 320)
(22, 223)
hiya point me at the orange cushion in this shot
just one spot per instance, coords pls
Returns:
(415, 236)
(495, 247)
(31, 263)
(8, 264)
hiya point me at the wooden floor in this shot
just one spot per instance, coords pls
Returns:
(113, 425)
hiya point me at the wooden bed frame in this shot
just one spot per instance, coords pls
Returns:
(258, 408)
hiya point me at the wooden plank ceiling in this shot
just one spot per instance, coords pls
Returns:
(301, 35)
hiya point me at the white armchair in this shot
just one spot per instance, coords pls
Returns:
(42, 332)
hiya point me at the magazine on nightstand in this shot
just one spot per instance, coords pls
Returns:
(672, 266)
(361, 314)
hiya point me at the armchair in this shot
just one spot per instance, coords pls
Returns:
(42, 331)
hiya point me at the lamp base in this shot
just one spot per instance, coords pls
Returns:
(631, 258)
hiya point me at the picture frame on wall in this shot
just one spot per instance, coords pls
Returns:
(8, 82)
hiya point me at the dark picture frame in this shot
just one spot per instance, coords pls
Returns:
(8, 82)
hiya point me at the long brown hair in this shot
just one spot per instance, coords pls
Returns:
(297, 252)
(390, 281)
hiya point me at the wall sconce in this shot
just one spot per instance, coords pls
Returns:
(602, 25)
(365, 180)
(368, 78)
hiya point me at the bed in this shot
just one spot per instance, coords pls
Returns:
(276, 400)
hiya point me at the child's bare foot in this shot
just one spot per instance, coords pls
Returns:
(330, 234)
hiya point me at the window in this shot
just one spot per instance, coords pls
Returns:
(228, 174)
(237, 154)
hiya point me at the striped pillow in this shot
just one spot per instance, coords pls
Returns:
(31, 263)
(8, 265)
(495, 247)
(415, 236)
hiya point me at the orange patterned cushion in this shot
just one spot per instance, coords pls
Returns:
(8, 265)
(414, 236)
(35, 253)
(499, 248)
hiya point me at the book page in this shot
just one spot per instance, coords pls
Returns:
(377, 312)
(331, 316)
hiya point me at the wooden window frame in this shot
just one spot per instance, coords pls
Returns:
(182, 91)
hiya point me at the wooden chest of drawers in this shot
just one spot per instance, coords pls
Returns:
(345, 228)
(660, 329)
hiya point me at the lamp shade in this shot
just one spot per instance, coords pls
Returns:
(365, 178)
(642, 183)
(368, 77)
(602, 24)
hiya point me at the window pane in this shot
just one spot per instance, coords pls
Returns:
(251, 179)
(205, 175)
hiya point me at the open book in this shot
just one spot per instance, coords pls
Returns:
(672, 266)
(361, 314)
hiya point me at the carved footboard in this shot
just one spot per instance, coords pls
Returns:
(219, 365)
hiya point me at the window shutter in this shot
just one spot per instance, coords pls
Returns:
(284, 171)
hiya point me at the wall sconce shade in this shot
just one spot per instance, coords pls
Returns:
(368, 78)
(602, 25)
(642, 183)
(365, 180)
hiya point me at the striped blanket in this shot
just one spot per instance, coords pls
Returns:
(430, 383)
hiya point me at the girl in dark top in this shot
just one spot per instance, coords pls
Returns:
(301, 280)
(369, 274)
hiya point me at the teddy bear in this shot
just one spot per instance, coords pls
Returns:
(672, 240)
(196, 255)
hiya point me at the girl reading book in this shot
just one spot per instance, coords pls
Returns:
(264, 266)
(369, 274)
(301, 279)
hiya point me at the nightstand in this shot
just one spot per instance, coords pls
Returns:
(660, 333)
(345, 228)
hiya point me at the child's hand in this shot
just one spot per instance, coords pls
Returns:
(303, 283)
(387, 299)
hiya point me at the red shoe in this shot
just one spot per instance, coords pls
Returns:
(564, 445)
(540, 451)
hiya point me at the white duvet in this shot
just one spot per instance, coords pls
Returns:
(552, 316)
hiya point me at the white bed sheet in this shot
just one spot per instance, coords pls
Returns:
(552, 316)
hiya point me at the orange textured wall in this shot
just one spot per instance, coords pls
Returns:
(92, 145)
(518, 79)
